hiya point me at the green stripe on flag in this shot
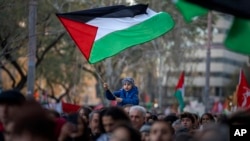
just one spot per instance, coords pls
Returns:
(108, 46)
(238, 37)
(178, 95)
(189, 11)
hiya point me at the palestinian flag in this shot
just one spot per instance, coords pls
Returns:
(189, 11)
(179, 92)
(103, 32)
(238, 8)
(237, 39)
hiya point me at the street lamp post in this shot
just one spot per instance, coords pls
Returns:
(208, 61)
(32, 47)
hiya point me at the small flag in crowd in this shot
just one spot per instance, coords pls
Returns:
(179, 92)
(104, 32)
(188, 10)
(243, 93)
(70, 108)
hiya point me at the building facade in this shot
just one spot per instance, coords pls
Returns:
(223, 64)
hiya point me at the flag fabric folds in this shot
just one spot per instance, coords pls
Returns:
(238, 8)
(238, 35)
(104, 32)
(237, 39)
(179, 92)
(243, 92)
(189, 11)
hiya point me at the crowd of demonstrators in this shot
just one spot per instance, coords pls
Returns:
(27, 120)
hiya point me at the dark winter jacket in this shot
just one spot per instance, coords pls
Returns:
(128, 97)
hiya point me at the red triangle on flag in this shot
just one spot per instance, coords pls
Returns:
(83, 34)
(180, 82)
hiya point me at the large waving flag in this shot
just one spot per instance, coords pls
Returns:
(188, 10)
(243, 92)
(238, 35)
(237, 39)
(179, 92)
(103, 32)
(238, 8)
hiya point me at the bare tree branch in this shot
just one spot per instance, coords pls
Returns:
(10, 75)
(52, 44)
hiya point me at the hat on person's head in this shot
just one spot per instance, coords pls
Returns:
(11, 97)
(128, 80)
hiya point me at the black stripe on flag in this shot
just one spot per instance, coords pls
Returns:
(117, 11)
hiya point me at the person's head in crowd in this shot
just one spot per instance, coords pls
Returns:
(145, 129)
(10, 100)
(137, 116)
(207, 118)
(187, 120)
(213, 132)
(196, 121)
(31, 123)
(127, 107)
(161, 116)
(177, 125)
(152, 118)
(76, 128)
(148, 116)
(128, 83)
(60, 121)
(84, 112)
(240, 117)
(124, 131)
(221, 117)
(94, 122)
(171, 118)
(110, 116)
(161, 131)
(53, 113)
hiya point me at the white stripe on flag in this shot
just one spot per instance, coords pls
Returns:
(108, 25)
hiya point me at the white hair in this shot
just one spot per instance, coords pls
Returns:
(138, 108)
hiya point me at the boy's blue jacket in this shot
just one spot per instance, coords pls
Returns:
(129, 97)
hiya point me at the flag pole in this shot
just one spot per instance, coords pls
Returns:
(32, 48)
(208, 61)
(99, 76)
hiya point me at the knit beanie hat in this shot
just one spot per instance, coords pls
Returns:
(128, 80)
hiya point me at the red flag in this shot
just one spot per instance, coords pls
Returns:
(243, 93)
(70, 108)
